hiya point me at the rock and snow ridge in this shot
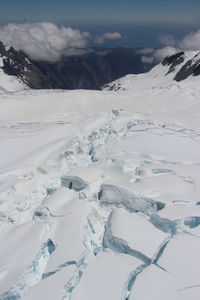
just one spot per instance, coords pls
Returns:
(90, 70)
(100, 192)
(188, 68)
(177, 67)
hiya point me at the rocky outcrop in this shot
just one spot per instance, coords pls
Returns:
(190, 68)
(173, 61)
(187, 67)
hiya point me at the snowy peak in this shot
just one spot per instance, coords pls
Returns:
(18, 64)
(11, 80)
(15, 63)
(14, 66)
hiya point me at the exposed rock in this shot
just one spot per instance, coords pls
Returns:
(173, 61)
(192, 67)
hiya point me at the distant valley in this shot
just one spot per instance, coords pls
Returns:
(91, 70)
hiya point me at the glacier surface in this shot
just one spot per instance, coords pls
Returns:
(100, 191)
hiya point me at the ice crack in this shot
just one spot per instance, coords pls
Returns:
(33, 273)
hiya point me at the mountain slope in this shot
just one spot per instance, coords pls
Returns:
(88, 71)
(10, 83)
(171, 70)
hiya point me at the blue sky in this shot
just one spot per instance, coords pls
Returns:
(140, 21)
(109, 11)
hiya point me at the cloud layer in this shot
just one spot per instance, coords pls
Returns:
(190, 42)
(44, 41)
(49, 42)
(108, 36)
(158, 55)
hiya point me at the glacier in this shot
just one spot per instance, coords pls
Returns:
(100, 190)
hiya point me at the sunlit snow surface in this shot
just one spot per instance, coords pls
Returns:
(100, 192)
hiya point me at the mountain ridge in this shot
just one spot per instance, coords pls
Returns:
(87, 71)
(174, 69)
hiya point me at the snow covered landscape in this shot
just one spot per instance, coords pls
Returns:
(100, 190)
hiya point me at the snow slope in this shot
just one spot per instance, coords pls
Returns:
(10, 83)
(99, 191)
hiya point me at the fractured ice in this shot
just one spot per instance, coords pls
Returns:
(103, 206)
(73, 182)
(110, 195)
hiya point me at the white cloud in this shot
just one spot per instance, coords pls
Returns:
(147, 59)
(167, 39)
(108, 36)
(112, 35)
(162, 53)
(44, 41)
(191, 42)
(158, 55)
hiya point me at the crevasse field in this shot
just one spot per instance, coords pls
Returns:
(100, 190)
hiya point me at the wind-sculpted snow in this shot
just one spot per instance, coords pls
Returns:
(97, 202)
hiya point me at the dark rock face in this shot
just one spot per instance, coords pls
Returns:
(17, 63)
(89, 71)
(173, 61)
(192, 67)
(189, 68)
